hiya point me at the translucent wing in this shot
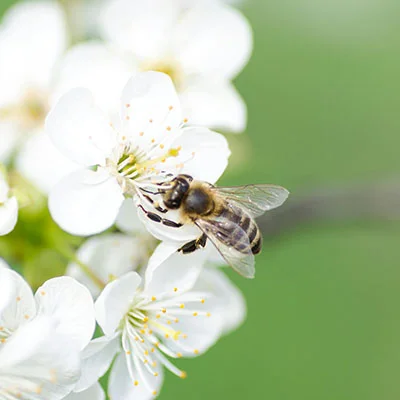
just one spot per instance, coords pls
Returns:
(232, 242)
(255, 199)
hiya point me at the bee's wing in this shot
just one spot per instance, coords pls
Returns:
(255, 199)
(219, 231)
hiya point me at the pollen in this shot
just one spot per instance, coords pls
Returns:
(141, 133)
(150, 120)
(136, 383)
(182, 306)
(195, 351)
(155, 373)
(164, 310)
(208, 314)
(179, 355)
(161, 146)
(155, 393)
(153, 140)
(150, 332)
(3, 340)
(169, 322)
(127, 105)
(174, 152)
(128, 352)
(127, 117)
(1, 328)
(166, 336)
(185, 120)
(175, 289)
(146, 352)
(195, 314)
(145, 319)
(158, 316)
(193, 153)
(183, 375)
(171, 108)
(43, 293)
(18, 298)
(202, 301)
(145, 361)
(38, 390)
(26, 316)
(123, 137)
(153, 350)
(154, 364)
(153, 298)
(169, 128)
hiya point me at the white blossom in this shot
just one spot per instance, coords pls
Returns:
(203, 48)
(177, 310)
(41, 336)
(148, 144)
(8, 207)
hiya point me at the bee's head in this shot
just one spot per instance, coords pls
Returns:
(179, 186)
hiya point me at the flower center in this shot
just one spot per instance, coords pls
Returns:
(29, 113)
(171, 68)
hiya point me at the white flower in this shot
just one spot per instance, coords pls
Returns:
(202, 48)
(176, 311)
(8, 208)
(41, 336)
(32, 38)
(145, 147)
(110, 256)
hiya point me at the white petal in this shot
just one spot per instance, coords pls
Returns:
(169, 269)
(204, 154)
(108, 257)
(39, 362)
(166, 233)
(198, 333)
(122, 385)
(95, 392)
(18, 307)
(79, 129)
(128, 220)
(150, 108)
(140, 27)
(115, 301)
(214, 40)
(96, 360)
(229, 300)
(70, 303)
(42, 163)
(98, 68)
(32, 37)
(8, 216)
(215, 104)
(86, 202)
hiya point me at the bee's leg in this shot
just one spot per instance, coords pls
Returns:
(193, 245)
(156, 218)
(159, 191)
(155, 204)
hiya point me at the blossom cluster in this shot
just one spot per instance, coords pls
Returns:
(93, 134)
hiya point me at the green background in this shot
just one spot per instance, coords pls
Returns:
(323, 93)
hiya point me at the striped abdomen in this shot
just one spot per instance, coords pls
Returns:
(239, 230)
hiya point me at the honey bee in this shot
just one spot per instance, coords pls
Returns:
(225, 215)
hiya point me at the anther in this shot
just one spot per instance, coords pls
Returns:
(127, 117)
(164, 310)
(195, 351)
(136, 383)
(153, 298)
(43, 293)
(179, 355)
(195, 314)
(175, 289)
(183, 375)
(169, 128)
(182, 306)
(128, 352)
(155, 373)
(185, 120)
(202, 301)
(127, 105)
(155, 393)
(171, 108)
(18, 298)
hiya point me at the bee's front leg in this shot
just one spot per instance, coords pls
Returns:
(193, 245)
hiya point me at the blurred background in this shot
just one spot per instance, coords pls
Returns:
(323, 93)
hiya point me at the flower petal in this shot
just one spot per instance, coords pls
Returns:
(108, 257)
(79, 129)
(229, 301)
(86, 202)
(128, 220)
(214, 40)
(98, 68)
(32, 37)
(169, 270)
(42, 163)
(71, 305)
(204, 154)
(122, 385)
(115, 300)
(140, 27)
(18, 306)
(96, 360)
(95, 392)
(151, 108)
(8, 216)
(216, 104)
(38, 362)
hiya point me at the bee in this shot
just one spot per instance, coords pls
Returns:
(225, 216)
